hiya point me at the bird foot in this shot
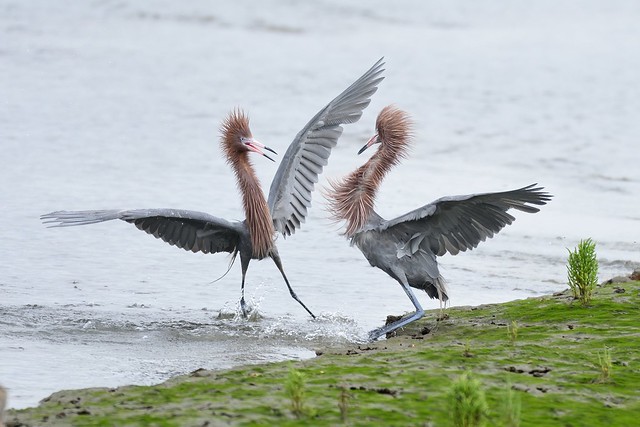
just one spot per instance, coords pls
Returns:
(374, 335)
(245, 308)
(393, 324)
(377, 333)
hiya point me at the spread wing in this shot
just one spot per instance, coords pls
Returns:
(458, 223)
(291, 188)
(189, 230)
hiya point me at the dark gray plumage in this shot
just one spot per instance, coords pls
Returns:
(289, 197)
(406, 247)
(190, 230)
(448, 225)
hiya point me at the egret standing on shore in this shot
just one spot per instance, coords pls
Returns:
(406, 247)
(289, 195)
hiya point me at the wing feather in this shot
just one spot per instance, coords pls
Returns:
(308, 175)
(459, 223)
(189, 230)
(310, 150)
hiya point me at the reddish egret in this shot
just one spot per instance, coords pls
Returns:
(406, 247)
(289, 196)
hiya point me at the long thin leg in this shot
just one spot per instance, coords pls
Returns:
(276, 258)
(378, 332)
(244, 262)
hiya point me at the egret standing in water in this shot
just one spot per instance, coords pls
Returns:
(406, 247)
(289, 196)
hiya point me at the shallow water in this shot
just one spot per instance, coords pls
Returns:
(117, 105)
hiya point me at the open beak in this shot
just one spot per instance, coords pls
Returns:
(257, 147)
(370, 142)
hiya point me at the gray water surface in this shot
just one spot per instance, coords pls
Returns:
(115, 104)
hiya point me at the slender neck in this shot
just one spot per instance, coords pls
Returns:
(352, 198)
(255, 206)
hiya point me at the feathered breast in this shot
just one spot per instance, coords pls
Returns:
(233, 129)
(351, 199)
(256, 209)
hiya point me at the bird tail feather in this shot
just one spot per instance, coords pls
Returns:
(233, 259)
(438, 290)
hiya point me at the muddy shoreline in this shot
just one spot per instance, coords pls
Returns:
(552, 364)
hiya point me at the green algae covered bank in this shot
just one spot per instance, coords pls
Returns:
(540, 361)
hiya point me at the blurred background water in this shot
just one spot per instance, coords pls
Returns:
(116, 104)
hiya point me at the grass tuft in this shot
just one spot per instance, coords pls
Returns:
(294, 387)
(343, 403)
(605, 364)
(466, 352)
(582, 270)
(468, 404)
(511, 407)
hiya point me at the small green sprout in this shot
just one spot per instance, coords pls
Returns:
(605, 363)
(468, 404)
(294, 387)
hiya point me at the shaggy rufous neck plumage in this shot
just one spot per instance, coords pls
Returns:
(259, 223)
(351, 199)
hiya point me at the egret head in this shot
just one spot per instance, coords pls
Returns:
(237, 137)
(393, 130)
